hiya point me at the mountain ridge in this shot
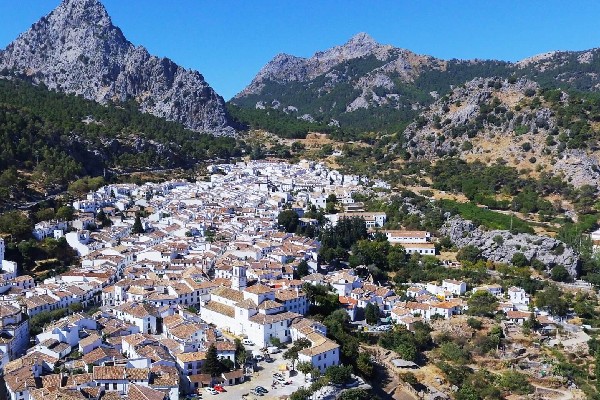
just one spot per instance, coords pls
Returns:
(374, 86)
(77, 49)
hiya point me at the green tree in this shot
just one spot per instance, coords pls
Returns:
(292, 353)
(275, 341)
(560, 274)
(451, 351)
(288, 220)
(372, 314)
(519, 260)
(137, 225)
(301, 394)
(330, 205)
(305, 367)
(553, 300)
(45, 214)
(301, 270)
(240, 353)
(339, 374)
(474, 323)
(16, 224)
(321, 300)
(368, 252)
(467, 392)
(104, 220)
(75, 307)
(515, 382)
(364, 364)
(469, 253)
(482, 303)
(212, 364)
(65, 213)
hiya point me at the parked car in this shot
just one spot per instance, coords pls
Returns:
(210, 390)
(261, 389)
(273, 349)
(219, 388)
(256, 393)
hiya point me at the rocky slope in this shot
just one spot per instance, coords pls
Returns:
(491, 119)
(500, 246)
(357, 76)
(372, 86)
(77, 49)
(287, 68)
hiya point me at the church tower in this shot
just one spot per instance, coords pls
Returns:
(238, 279)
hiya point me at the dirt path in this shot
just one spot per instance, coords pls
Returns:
(556, 394)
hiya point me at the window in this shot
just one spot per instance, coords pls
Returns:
(114, 386)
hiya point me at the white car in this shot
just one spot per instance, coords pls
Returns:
(210, 390)
(248, 342)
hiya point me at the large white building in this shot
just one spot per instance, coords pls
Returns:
(372, 219)
(412, 241)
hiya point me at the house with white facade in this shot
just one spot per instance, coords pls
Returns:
(142, 315)
(457, 288)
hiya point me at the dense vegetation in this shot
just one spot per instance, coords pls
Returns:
(277, 122)
(52, 138)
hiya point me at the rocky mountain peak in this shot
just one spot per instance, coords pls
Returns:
(361, 40)
(76, 49)
(82, 11)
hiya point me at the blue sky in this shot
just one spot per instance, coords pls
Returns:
(229, 41)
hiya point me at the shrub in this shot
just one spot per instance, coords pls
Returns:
(469, 253)
(519, 260)
(474, 323)
(560, 274)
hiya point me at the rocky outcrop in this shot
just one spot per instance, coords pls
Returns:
(483, 108)
(500, 246)
(76, 49)
(285, 68)
(579, 168)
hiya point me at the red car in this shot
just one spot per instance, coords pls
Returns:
(219, 388)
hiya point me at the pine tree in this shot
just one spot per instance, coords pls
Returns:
(211, 365)
(137, 225)
(240, 353)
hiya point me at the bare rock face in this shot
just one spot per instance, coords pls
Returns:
(76, 49)
(580, 168)
(286, 68)
(500, 246)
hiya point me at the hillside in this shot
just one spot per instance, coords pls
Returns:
(515, 122)
(48, 139)
(366, 86)
(77, 49)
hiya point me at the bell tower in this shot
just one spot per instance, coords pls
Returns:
(238, 278)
